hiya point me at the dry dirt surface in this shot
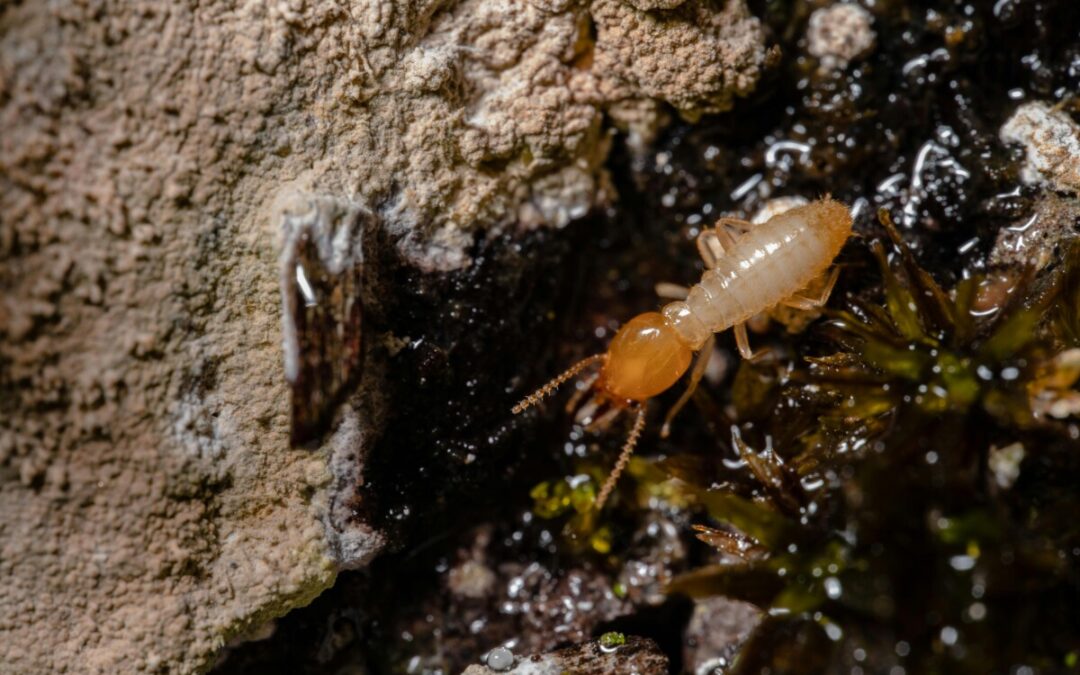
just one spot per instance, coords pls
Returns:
(155, 161)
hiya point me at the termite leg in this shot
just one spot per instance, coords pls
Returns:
(604, 421)
(802, 302)
(834, 274)
(695, 377)
(713, 241)
(670, 291)
(738, 224)
(710, 244)
(624, 458)
(584, 387)
(546, 390)
(758, 323)
(799, 302)
(742, 340)
(585, 413)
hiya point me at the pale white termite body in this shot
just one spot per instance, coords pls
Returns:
(764, 267)
(771, 264)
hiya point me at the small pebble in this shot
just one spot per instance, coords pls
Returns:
(500, 659)
(1005, 464)
(839, 34)
(1051, 140)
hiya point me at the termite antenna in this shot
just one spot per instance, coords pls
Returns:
(624, 458)
(546, 390)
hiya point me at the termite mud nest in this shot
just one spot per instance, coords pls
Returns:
(897, 484)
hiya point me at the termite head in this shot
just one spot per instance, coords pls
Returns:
(644, 358)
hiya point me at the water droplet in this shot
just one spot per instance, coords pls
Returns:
(500, 659)
(833, 588)
(833, 632)
(949, 635)
(812, 483)
(962, 563)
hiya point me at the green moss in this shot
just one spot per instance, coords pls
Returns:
(873, 529)
(612, 640)
(570, 500)
(552, 499)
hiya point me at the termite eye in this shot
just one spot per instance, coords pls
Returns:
(644, 358)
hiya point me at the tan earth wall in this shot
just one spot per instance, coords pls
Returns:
(152, 157)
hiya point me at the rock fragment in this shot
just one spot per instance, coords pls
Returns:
(1038, 238)
(1051, 141)
(640, 656)
(717, 629)
(649, 5)
(1004, 464)
(839, 34)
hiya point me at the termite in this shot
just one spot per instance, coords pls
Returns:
(770, 264)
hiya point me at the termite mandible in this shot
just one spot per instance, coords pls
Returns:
(768, 265)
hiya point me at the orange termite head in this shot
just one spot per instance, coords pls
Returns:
(644, 359)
